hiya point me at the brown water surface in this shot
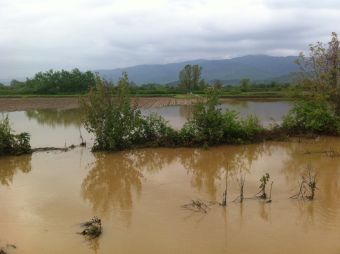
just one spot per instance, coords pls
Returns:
(139, 196)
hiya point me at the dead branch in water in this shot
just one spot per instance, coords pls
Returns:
(241, 181)
(62, 149)
(308, 185)
(224, 198)
(196, 206)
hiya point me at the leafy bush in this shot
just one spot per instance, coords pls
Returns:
(251, 129)
(232, 127)
(315, 117)
(119, 125)
(114, 121)
(206, 125)
(156, 130)
(12, 144)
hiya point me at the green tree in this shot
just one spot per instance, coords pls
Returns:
(319, 74)
(245, 84)
(190, 77)
(54, 82)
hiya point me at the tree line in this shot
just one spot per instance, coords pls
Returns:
(77, 82)
(53, 82)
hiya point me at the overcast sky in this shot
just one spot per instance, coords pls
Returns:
(37, 35)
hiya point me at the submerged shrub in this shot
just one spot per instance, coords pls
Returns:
(118, 124)
(251, 129)
(111, 117)
(210, 126)
(238, 130)
(315, 117)
(206, 125)
(158, 131)
(10, 143)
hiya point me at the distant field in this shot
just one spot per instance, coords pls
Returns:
(28, 103)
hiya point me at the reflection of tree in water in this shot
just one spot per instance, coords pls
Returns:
(186, 111)
(208, 166)
(9, 166)
(93, 244)
(111, 181)
(113, 178)
(56, 117)
(235, 104)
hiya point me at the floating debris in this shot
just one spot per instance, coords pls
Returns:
(197, 206)
(93, 228)
(4, 250)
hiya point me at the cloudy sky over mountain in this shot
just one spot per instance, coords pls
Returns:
(101, 34)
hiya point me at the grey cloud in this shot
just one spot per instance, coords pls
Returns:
(37, 35)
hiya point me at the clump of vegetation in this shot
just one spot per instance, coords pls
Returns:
(118, 124)
(10, 143)
(263, 180)
(312, 117)
(262, 194)
(308, 185)
(206, 125)
(93, 228)
(317, 110)
(210, 126)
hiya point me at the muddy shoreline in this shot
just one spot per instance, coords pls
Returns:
(30, 103)
(21, 104)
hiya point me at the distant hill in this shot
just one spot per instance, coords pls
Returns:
(255, 67)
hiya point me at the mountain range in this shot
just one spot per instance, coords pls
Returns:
(258, 68)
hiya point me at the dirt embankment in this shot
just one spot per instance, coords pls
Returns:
(21, 104)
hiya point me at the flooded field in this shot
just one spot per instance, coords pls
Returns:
(268, 111)
(139, 194)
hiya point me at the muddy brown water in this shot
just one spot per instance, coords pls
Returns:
(139, 196)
